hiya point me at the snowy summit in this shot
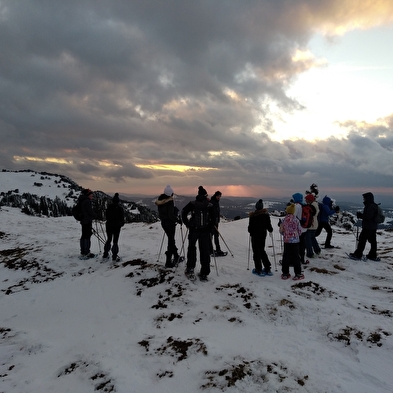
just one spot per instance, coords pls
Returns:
(69, 325)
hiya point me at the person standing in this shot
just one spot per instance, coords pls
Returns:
(326, 210)
(291, 230)
(114, 223)
(369, 229)
(199, 224)
(215, 201)
(88, 215)
(311, 243)
(298, 199)
(169, 216)
(258, 225)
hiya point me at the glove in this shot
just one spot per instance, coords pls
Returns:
(337, 209)
(359, 215)
(179, 221)
(271, 234)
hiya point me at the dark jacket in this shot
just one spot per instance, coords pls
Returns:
(166, 208)
(259, 223)
(326, 209)
(201, 203)
(114, 216)
(370, 212)
(88, 215)
(216, 207)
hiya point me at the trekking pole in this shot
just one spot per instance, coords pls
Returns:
(274, 251)
(357, 234)
(159, 253)
(224, 241)
(215, 262)
(249, 243)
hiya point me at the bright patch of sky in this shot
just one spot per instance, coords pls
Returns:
(355, 84)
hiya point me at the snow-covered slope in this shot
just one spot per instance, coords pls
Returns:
(86, 326)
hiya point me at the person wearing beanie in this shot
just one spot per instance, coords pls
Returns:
(114, 222)
(299, 202)
(258, 225)
(369, 229)
(199, 218)
(215, 201)
(291, 231)
(88, 215)
(326, 210)
(311, 243)
(169, 216)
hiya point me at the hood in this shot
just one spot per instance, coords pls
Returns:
(368, 197)
(326, 200)
(297, 197)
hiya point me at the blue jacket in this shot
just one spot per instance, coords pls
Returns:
(326, 209)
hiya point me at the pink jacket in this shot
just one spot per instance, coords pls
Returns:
(291, 229)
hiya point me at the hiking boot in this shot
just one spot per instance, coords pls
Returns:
(116, 258)
(202, 277)
(328, 246)
(352, 255)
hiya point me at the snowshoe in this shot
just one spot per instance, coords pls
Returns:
(376, 259)
(285, 276)
(258, 273)
(298, 277)
(190, 274)
(220, 253)
(116, 259)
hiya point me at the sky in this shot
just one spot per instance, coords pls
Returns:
(258, 98)
(93, 326)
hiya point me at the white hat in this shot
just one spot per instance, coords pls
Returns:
(168, 190)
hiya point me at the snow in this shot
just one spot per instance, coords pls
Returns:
(69, 325)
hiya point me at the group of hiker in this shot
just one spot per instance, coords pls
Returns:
(304, 220)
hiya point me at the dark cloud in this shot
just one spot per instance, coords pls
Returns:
(93, 89)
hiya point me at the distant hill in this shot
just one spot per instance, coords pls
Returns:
(53, 195)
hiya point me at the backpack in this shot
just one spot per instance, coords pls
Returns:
(201, 218)
(77, 211)
(308, 213)
(380, 218)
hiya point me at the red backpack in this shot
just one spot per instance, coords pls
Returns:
(308, 213)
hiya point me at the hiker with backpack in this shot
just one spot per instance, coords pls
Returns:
(169, 216)
(200, 224)
(299, 202)
(311, 243)
(291, 230)
(215, 201)
(325, 211)
(114, 222)
(87, 217)
(258, 225)
(369, 229)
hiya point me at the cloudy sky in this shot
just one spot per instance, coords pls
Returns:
(257, 98)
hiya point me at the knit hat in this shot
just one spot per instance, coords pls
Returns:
(259, 205)
(202, 191)
(217, 193)
(290, 209)
(168, 190)
(298, 197)
(310, 198)
(116, 198)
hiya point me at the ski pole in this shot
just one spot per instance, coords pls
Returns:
(274, 251)
(215, 262)
(249, 242)
(162, 241)
(224, 241)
